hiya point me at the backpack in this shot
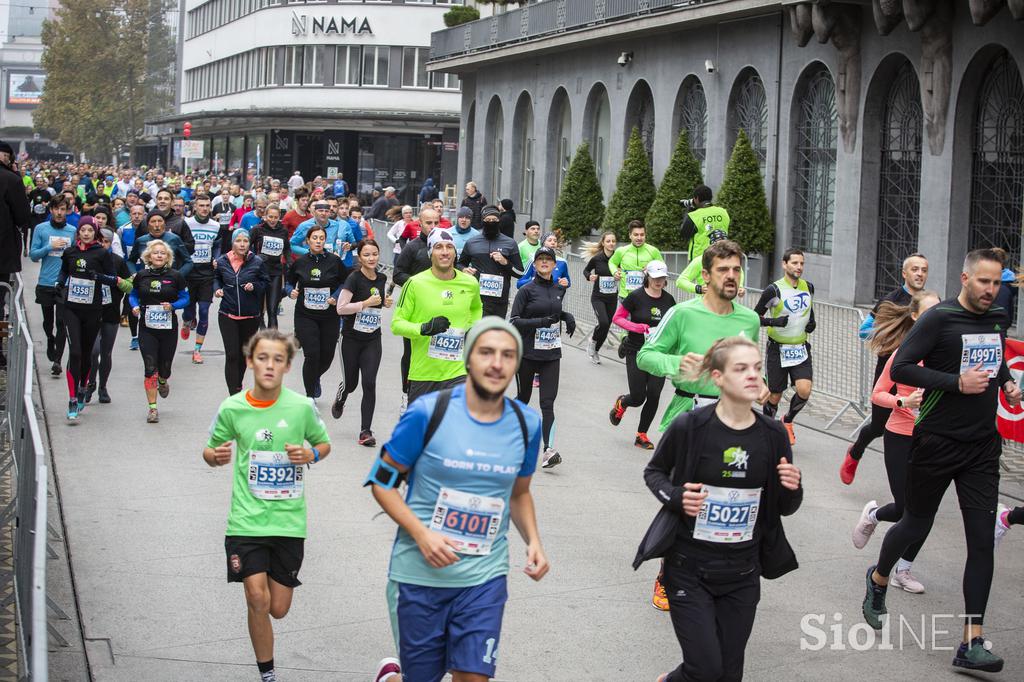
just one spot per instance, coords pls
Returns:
(441, 406)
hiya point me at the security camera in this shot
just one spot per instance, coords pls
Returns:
(709, 66)
(625, 58)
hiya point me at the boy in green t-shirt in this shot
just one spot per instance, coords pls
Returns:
(267, 523)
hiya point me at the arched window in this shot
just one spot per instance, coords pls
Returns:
(469, 132)
(814, 170)
(522, 154)
(899, 192)
(640, 115)
(749, 112)
(597, 121)
(494, 149)
(693, 118)
(997, 169)
(559, 147)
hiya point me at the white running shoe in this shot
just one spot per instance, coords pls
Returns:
(551, 458)
(1001, 527)
(906, 581)
(405, 404)
(387, 669)
(865, 526)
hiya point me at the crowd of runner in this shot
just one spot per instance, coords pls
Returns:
(477, 310)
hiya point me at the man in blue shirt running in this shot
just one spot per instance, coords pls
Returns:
(469, 454)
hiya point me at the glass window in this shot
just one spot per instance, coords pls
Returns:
(346, 65)
(750, 107)
(445, 81)
(293, 65)
(414, 68)
(313, 65)
(693, 118)
(375, 65)
(814, 182)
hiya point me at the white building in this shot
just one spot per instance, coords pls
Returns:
(321, 87)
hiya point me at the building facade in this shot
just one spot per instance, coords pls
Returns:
(879, 133)
(325, 88)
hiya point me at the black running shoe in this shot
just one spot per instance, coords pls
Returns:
(338, 407)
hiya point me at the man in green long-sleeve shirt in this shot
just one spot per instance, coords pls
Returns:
(631, 259)
(675, 347)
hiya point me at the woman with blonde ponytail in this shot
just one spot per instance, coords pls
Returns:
(606, 285)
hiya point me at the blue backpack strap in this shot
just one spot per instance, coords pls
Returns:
(437, 416)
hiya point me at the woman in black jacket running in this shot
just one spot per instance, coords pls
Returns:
(239, 280)
(604, 296)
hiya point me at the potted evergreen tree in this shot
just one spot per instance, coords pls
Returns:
(634, 189)
(750, 220)
(580, 206)
(666, 214)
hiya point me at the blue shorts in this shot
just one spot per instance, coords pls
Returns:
(450, 628)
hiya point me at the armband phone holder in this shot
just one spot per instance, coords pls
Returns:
(384, 475)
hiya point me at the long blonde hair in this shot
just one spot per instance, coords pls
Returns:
(591, 249)
(893, 321)
(717, 356)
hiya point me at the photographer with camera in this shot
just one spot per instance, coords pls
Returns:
(701, 220)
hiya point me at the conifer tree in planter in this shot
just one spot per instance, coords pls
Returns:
(634, 189)
(460, 14)
(742, 194)
(580, 205)
(666, 214)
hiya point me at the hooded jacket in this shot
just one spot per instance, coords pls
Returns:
(237, 301)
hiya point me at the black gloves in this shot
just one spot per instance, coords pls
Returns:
(552, 320)
(438, 325)
(698, 289)
(780, 321)
(570, 323)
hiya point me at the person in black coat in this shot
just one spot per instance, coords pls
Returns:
(15, 217)
(507, 219)
(476, 202)
(240, 278)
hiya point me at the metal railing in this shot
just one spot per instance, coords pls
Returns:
(27, 508)
(542, 19)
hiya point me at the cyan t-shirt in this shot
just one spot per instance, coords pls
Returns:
(477, 458)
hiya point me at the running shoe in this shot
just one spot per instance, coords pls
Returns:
(642, 441)
(1001, 526)
(622, 351)
(81, 400)
(89, 390)
(338, 407)
(269, 676)
(197, 358)
(659, 600)
(186, 330)
(134, 343)
(318, 391)
(848, 469)
(551, 458)
(124, 320)
(163, 388)
(405, 404)
(618, 411)
(865, 527)
(366, 439)
(906, 581)
(51, 349)
(72, 410)
(874, 601)
(153, 417)
(55, 369)
(789, 430)
(387, 669)
(193, 323)
(977, 656)
(104, 396)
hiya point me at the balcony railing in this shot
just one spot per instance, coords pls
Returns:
(542, 19)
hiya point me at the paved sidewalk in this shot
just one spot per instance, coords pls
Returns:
(145, 522)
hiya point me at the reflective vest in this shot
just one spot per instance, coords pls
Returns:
(795, 302)
(706, 219)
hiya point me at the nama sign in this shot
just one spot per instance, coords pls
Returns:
(304, 24)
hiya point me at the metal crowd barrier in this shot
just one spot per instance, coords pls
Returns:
(27, 509)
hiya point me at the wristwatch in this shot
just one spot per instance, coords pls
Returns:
(899, 402)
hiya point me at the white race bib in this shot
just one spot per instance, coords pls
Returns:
(316, 299)
(57, 246)
(329, 247)
(81, 290)
(203, 252)
(471, 522)
(634, 279)
(106, 296)
(367, 321)
(447, 346)
(607, 285)
(982, 349)
(273, 477)
(792, 354)
(491, 285)
(548, 338)
(273, 246)
(728, 515)
(158, 318)
(224, 218)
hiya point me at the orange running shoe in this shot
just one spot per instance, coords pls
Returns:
(789, 430)
(660, 599)
(642, 441)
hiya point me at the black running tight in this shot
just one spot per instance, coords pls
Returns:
(361, 357)
(319, 339)
(235, 334)
(879, 416)
(101, 353)
(271, 299)
(604, 310)
(83, 326)
(897, 452)
(548, 373)
(644, 389)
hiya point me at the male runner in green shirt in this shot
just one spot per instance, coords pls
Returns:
(528, 246)
(631, 259)
(435, 309)
(267, 523)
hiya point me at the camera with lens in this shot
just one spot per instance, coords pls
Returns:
(687, 204)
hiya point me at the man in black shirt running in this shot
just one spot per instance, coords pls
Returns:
(960, 342)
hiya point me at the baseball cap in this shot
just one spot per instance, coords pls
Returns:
(656, 268)
(544, 251)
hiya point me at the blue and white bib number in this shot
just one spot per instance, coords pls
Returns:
(548, 338)
(447, 346)
(57, 246)
(316, 299)
(728, 515)
(273, 246)
(367, 321)
(106, 296)
(158, 318)
(329, 247)
(634, 279)
(203, 252)
(81, 290)
(792, 355)
(608, 285)
(982, 349)
(491, 285)
(471, 522)
(273, 477)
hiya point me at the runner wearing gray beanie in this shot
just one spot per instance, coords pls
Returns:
(492, 323)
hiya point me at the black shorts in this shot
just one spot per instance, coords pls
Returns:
(278, 557)
(48, 296)
(779, 378)
(935, 461)
(200, 289)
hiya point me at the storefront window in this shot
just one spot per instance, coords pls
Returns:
(236, 152)
(219, 154)
(403, 161)
(256, 153)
